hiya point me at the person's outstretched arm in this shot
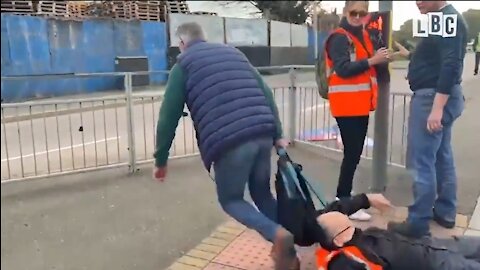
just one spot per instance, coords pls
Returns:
(170, 112)
(351, 205)
(348, 206)
(452, 54)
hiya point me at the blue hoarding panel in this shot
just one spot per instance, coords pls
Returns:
(99, 53)
(6, 61)
(322, 36)
(40, 46)
(155, 47)
(66, 50)
(28, 51)
(128, 38)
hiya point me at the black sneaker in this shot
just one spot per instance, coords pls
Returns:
(407, 230)
(444, 223)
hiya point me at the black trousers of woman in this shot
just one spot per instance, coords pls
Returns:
(353, 131)
(477, 62)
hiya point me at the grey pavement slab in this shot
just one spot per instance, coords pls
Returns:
(475, 220)
(472, 233)
(109, 220)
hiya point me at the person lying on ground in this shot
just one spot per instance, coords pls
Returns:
(345, 247)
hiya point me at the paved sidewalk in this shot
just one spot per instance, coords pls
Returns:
(233, 247)
(108, 219)
(474, 226)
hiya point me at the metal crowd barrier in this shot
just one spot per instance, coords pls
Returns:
(70, 135)
(318, 128)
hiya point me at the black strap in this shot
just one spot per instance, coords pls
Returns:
(301, 181)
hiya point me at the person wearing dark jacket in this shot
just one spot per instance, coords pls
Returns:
(354, 65)
(237, 124)
(476, 49)
(435, 77)
(386, 248)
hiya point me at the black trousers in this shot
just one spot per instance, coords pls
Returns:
(353, 131)
(477, 61)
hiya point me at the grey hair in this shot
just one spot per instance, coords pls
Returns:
(190, 31)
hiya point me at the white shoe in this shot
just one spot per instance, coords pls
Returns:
(360, 215)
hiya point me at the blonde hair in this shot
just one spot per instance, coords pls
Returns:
(349, 3)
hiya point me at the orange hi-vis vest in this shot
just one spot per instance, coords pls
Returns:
(356, 95)
(324, 257)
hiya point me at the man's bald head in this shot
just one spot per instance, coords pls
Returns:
(335, 223)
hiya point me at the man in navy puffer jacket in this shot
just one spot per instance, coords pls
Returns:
(237, 124)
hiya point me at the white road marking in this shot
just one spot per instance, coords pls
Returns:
(61, 149)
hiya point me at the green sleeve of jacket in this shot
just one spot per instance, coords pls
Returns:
(271, 101)
(170, 112)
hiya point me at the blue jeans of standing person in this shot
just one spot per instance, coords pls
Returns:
(430, 160)
(248, 163)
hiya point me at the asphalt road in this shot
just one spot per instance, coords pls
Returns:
(95, 133)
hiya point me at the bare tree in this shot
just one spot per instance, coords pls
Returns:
(298, 12)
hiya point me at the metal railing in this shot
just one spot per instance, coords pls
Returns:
(70, 135)
(317, 127)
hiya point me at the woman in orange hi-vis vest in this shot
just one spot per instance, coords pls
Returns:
(351, 61)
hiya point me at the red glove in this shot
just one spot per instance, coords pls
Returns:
(160, 173)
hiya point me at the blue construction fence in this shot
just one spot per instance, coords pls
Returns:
(46, 46)
(321, 37)
(41, 46)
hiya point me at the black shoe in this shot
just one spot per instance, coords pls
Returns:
(475, 73)
(444, 223)
(407, 230)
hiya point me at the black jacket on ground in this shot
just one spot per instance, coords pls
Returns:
(383, 247)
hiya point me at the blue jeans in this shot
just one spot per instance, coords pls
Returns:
(248, 163)
(430, 159)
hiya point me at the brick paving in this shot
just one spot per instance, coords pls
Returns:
(233, 247)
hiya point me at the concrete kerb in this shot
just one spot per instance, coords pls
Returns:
(211, 247)
(474, 225)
